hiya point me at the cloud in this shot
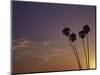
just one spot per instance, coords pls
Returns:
(46, 43)
(22, 54)
(21, 43)
(46, 59)
(26, 43)
(57, 50)
(24, 47)
(40, 50)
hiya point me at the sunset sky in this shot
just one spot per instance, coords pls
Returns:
(38, 43)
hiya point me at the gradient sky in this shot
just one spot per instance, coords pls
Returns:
(38, 42)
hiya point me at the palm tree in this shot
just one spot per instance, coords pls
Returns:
(82, 34)
(86, 28)
(73, 38)
(66, 32)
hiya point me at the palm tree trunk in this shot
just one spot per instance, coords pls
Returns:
(76, 55)
(88, 51)
(75, 49)
(85, 53)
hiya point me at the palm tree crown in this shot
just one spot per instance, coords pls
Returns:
(86, 28)
(82, 34)
(73, 37)
(66, 31)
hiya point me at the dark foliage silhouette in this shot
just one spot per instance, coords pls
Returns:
(82, 34)
(86, 28)
(66, 31)
(73, 37)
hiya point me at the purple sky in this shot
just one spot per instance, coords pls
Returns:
(37, 34)
(32, 20)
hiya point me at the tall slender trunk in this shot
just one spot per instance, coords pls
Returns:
(76, 52)
(88, 52)
(76, 55)
(85, 53)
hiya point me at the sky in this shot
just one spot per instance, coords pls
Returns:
(37, 41)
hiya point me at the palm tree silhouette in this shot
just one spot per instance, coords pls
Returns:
(82, 35)
(73, 38)
(66, 32)
(86, 28)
